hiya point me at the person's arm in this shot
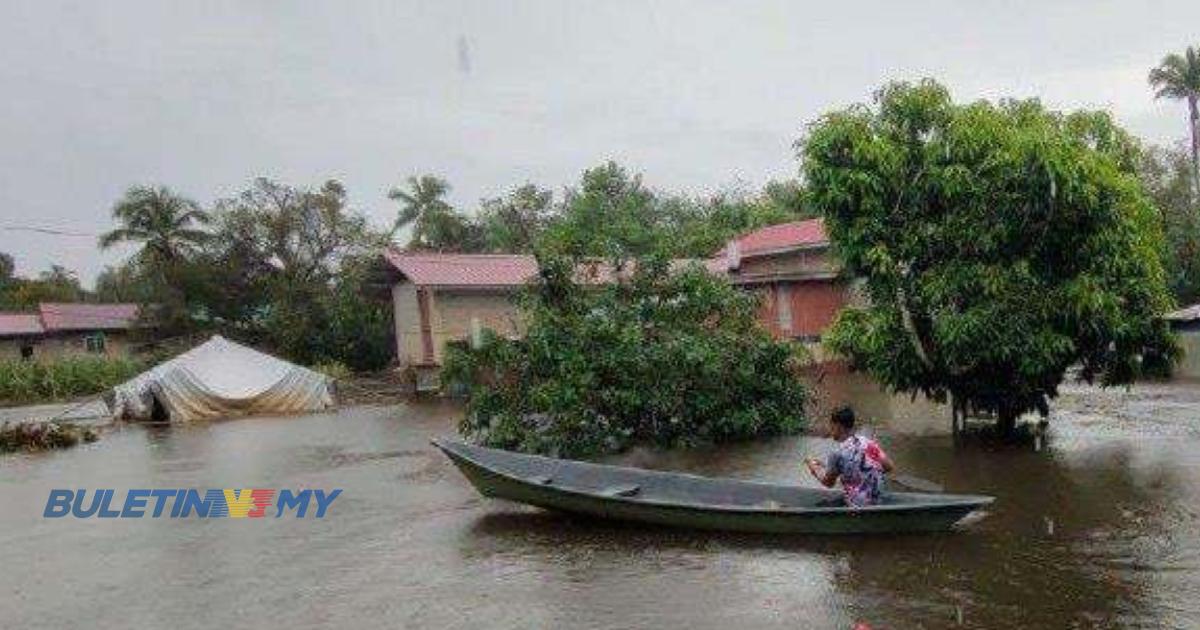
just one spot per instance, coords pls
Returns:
(827, 476)
(876, 453)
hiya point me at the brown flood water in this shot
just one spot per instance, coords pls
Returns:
(1100, 529)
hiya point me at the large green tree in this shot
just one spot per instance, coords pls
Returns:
(999, 245)
(657, 357)
(1178, 77)
(285, 270)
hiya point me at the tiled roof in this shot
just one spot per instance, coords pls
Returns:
(18, 324)
(63, 316)
(464, 270)
(781, 237)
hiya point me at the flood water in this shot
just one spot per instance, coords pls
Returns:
(1100, 529)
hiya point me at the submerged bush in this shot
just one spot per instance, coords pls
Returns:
(41, 436)
(659, 357)
(69, 377)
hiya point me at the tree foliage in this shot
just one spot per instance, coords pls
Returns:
(1000, 244)
(660, 358)
(1178, 77)
(1166, 176)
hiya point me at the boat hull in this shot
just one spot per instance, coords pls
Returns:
(677, 500)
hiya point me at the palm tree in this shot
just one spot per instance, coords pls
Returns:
(1178, 77)
(421, 206)
(166, 224)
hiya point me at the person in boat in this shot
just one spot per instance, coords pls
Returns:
(857, 461)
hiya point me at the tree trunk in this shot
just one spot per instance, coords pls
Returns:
(1006, 423)
(1194, 112)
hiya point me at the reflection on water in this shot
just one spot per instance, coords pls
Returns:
(1101, 529)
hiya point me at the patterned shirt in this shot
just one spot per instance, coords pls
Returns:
(859, 463)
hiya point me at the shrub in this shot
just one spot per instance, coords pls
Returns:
(670, 359)
(333, 369)
(41, 436)
(61, 379)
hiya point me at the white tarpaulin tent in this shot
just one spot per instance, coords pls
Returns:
(220, 378)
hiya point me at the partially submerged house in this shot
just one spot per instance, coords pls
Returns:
(65, 329)
(1186, 324)
(440, 298)
(790, 265)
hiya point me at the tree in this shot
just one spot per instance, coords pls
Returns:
(1178, 77)
(610, 215)
(281, 273)
(7, 268)
(167, 226)
(1166, 175)
(423, 207)
(663, 358)
(512, 224)
(999, 244)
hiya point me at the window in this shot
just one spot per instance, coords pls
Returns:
(95, 342)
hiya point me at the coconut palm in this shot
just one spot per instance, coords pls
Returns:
(1178, 77)
(421, 206)
(167, 225)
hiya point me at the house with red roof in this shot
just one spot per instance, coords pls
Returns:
(438, 298)
(790, 266)
(61, 329)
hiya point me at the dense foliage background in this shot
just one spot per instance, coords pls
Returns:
(1000, 244)
(659, 357)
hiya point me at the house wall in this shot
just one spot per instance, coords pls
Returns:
(1189, 366)
(804, 309)
(406, 317)
(57, 346)
(450, 316)
(455, 310)
(804, 261)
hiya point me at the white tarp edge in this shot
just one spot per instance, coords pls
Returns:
(220, 378)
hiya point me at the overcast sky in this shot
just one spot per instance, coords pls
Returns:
(205, 96)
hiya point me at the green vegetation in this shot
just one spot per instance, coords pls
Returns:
(1166, 176)
(24, 382)
(1178, 77)
(610, 213)
(658, 357)
(42, 436)
(1000, 244)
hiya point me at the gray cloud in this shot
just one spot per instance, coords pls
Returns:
(204, 97)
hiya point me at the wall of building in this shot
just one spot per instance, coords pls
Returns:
(455, 313)
(804, 261)
(804, 309)
(116, 344)
(406, 317)
(1189, 365)
(452, 314)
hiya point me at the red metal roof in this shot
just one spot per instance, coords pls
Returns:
(464, 270)
(62, 316)
(783, 236)
(19, 324)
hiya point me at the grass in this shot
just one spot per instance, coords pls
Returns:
(42, 436)
(24, 382)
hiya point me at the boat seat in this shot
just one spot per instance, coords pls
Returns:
(627, 490)
(542, 480)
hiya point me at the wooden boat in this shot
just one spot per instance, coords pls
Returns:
(682, 500)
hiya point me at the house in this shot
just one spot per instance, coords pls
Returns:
(790, 266)
(62, 329)
(1186, 324)
(438, 298)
